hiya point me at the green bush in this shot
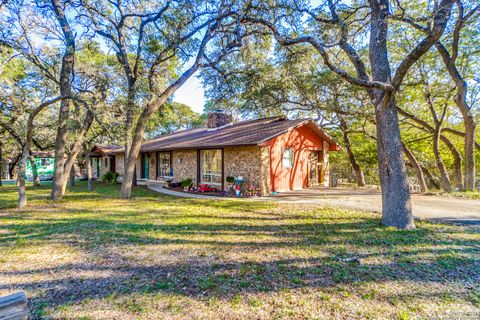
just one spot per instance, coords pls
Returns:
(187, 182)
(230, 179)
(110, 176)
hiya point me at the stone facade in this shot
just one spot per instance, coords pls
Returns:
(245, 162)
(184, 164)
(217, 119)
(265, 171)
(119, 164)
(152, 162)
(250, 162)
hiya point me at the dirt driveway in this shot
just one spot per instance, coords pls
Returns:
(430, 207)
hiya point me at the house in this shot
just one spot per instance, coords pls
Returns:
(275, 154)
(45, 163)
(101, 161)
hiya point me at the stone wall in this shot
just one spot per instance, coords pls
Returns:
(218, 119)
(105, 168)
(152, 162)
(251, 162)
(184, 163)
(265, 171)
(119, 164)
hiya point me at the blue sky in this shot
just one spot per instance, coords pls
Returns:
(192, 94)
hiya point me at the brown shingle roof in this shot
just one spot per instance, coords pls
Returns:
(101, 149)
(251, 132)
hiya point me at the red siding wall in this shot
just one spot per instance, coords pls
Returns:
(302, 140)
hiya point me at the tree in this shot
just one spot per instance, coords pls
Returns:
(292, 85)
(172, 117)
(157, 41)
(22, 196)
(382, 85)
(449, 50)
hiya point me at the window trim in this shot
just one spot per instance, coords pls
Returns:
(158, 162)
(199, 167)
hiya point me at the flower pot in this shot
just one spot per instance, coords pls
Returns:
(237, 192)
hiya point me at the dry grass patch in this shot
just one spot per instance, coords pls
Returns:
(94, 256)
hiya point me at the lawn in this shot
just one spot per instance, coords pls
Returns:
(94, 256)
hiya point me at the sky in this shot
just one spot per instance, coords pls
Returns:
(191, 94)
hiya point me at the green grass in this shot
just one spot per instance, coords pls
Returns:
(462, 195)
(95, 256)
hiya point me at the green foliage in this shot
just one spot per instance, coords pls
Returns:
(187, 182)
(172, 117)
(110, 177)
(230, 179)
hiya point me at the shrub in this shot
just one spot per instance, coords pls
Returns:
(230, 179)
(110, 177)
(187, 182)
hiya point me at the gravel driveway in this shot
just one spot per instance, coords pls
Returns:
(444, 209)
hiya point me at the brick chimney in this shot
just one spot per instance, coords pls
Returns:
(218, 118)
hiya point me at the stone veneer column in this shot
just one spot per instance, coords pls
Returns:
(184, 164)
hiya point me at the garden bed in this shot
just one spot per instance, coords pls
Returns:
(217, 193)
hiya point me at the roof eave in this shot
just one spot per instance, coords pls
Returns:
(333, 145)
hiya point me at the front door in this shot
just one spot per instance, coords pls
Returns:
(113, 167)
(313, 168)
(144, 166)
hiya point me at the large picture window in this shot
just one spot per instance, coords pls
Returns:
(287, 158)
(211, 167)
(164, 164)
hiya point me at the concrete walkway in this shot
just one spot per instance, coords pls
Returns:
(435, 208)
(159, 188)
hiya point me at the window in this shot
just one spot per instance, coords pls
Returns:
(211, 167)
(164, 164)
(287, 158)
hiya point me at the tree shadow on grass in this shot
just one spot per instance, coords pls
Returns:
(449, 260)
(183, 228)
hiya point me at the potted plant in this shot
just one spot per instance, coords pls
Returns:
(230, 180)
(238, 190)
(186, 183)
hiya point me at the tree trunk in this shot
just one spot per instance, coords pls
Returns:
(1, 164)
(468, 120)
(36, 178)
(71, 178)
(22, 195)
(153, 105)
(430, 177)
(416, 167)
(88, 167)
(77, 146)
(396, 202)
(351, 155)
(447, 185)
(129, 118)
(66, 74)
(469, 184)
(457, 161)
